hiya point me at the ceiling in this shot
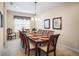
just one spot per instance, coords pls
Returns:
(29, 7)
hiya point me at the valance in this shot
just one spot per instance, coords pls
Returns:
(22, 17)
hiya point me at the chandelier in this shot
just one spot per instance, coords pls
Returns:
(35, 7)
(35, 18)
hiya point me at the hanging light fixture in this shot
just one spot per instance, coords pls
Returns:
(35, 7)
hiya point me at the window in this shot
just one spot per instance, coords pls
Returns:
(20, 23)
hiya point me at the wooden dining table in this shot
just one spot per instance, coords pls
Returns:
(37, 39)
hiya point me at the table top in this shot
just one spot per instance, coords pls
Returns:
(38, 38)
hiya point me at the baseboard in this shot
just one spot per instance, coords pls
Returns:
(75, 50)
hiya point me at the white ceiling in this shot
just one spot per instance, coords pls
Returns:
(29, 7)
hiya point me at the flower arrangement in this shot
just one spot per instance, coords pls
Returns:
(34, 30)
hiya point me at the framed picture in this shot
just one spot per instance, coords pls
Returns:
(1, 20)
(57, 23)
(47, 24)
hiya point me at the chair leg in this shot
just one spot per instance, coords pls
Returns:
(54, 53)
(15, 36)
(22, 45)
(25, 49)
(47, 54)
(7, 38)
(39, 51)
(11, 38)
(29, 53)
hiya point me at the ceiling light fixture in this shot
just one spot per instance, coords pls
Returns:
(35, 7)
(35, 14)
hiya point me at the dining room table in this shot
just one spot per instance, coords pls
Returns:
(37, 39)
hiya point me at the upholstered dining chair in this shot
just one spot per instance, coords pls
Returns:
(50, 33)
(40, 31)
(26, 43)
(10, 34)
(30, 46)
(27, 30)
(21, 37)
(51, 46)
(45, 32)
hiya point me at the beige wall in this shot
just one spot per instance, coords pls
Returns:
(70, 24)
(1, 29)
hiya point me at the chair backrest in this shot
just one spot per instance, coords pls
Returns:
(24, 38)
(45, 32)
(9, 31)
(40, 31)
(50, 33)
(27, 42)
(21, 36)
(27, 30)
(52, 42)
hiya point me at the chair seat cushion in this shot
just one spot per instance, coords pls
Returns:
(44, 48)
(13, 34)
(32, 46)
(9, 35)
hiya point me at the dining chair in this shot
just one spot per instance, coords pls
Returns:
(50, 33)
(26, 43)
(29, 45)
(51, 46)
(40, 31)
(27, 30)
(44, 35)
(45, 32)
(22, 38)
(10, 34)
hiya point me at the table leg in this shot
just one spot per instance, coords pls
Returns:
(36, 50)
